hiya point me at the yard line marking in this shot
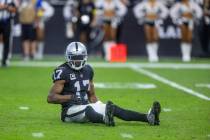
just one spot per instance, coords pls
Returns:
(115, 85)
(38, 134)
(170, 83)
(126, 135)
(203, 85)
(116, 65)
(167, 110)
(23, 108)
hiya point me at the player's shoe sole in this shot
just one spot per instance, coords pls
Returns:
(109, 114)
(157, 110)
(153, 115)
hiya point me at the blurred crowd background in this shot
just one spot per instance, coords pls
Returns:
(152, 28)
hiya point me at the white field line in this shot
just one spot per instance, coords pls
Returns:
(38, 134)
(203, 85)
(126, 136)
(170, 83)
(23, 108)
(167, 110)
(115, 85)
(116, 65)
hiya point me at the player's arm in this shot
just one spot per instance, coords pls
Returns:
(91, 93)
(55, 96)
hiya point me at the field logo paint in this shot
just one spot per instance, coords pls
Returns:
(126, 135)
(124, 85)
(24, 108)
(38, 134)
(170, 83)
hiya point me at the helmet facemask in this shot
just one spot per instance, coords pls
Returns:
(77, 62)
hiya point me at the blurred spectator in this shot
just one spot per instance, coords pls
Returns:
(184, 14)
(205, 29)
(86, 20)
(110, 13)
(27, 18)
(7, 8)
(44, 12)
(151, 13)
(70, 16)
(126, 3)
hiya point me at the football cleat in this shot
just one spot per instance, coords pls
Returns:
(153, 114)
(109, 114)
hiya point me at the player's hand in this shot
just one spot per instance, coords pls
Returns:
(76, 99)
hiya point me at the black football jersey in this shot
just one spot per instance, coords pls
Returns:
(77, 82)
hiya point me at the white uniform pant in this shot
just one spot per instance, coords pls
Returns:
(76, 113)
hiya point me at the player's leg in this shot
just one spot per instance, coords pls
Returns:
(40, 40)
(1, 46)
(150, 45)
(75, 113)
(128, 115)
(33, 42)
(25, 41)
(106, 110)
(6, 37)
(155, 43)
(93, 116)
(95, 113)
(186, 45)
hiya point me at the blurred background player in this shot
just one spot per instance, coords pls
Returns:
(184, 13)
(110, 13)
(70, 16)
(86, 21)
(205, 29)
(151, 12)
(7, 8)
(27, 18)
(44, 11)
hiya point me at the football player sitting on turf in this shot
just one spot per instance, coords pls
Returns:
(73, 88)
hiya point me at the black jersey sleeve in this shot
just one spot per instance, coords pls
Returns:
(91, 72)
(59, 73)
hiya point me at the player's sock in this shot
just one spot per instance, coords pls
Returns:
(129, 115)
(93, 116)
(186, 51)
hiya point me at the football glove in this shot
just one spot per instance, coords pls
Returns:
(76, 99)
